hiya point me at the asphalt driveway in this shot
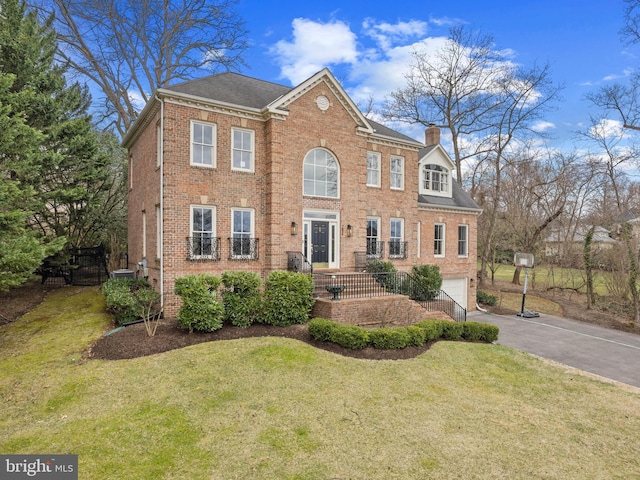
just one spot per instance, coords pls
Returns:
(609, 353)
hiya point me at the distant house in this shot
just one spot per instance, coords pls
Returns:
(229, 172)
(562, 243)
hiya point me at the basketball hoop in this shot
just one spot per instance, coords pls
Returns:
(525, 260)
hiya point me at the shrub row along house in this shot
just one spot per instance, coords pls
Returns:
(228, 172)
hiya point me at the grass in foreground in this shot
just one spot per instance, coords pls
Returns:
(274, 408)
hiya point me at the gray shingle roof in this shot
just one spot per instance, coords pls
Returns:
(459, 199)
(234, 89)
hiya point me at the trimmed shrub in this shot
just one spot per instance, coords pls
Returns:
(432, 329)
(201, 309)
(321, 329)
(429, 281)
(388, 338)
(287, 298)
(485, 298)
(479, 332)
(350, 336)
(121, 298)
(241, 297)
(417, 336)
(451, 330)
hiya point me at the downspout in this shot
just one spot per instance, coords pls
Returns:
(161, 239)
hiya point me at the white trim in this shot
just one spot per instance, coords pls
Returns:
(466, 241)
(443, 241)
(214, 140)
(252, 150)
(330, 153)
(378, 155)
(252, 232)
(214, 222)
(391, 173)
(332, 217)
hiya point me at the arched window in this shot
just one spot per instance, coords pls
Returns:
(321, 174)
(435, 178)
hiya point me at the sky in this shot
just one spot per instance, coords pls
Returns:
(367, 44)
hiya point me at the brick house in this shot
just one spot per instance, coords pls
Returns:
(229, 172)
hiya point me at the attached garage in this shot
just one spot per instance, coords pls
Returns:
(456, 288)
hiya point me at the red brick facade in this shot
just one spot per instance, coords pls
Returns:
(273, 191)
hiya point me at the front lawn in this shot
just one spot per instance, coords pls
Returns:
(277, 408)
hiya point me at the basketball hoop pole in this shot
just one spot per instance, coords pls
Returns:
(525, 260)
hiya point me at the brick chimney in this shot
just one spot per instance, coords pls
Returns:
(432, 135)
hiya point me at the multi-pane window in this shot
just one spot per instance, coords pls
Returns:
(435, 178)
(242, 241)
(203, 144)
(202, 240)
(396, 243)
(321, 174)
(463, 244)
(374, 246)
(242, 150)
(438, 239)
(397, 173)
(373, 169)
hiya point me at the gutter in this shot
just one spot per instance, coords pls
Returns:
(161, 219)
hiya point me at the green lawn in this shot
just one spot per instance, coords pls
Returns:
(275, 408)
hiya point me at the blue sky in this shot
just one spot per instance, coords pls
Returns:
(366, 44)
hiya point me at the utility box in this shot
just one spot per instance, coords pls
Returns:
(122, 273)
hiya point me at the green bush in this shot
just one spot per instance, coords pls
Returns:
(201, 309)
(321, 329)
(429, 281)
(354, 337)
(350, 336)
(241, 297)
(432, 329)
(388, 338)
(480, 332)
(287, 298)
(451, 330)
(417, 336)
(121, 298)
(485, 298)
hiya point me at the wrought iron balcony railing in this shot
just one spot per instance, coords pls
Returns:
(375, 248)
(243, 248)
(398, 249)
(203, 247)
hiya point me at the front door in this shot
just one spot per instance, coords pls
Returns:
(320, 242)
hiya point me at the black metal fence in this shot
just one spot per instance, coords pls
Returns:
(366, 285)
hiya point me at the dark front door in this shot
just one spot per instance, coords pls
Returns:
(320, 242)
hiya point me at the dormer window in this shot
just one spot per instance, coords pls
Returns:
(435, 178)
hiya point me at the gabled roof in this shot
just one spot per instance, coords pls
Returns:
(233, 90)
(460, 200)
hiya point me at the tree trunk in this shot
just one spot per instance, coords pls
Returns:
(588, 267)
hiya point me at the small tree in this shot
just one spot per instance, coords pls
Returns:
(147, 300)
(429, 279)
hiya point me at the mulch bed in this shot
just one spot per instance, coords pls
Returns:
(133, 342)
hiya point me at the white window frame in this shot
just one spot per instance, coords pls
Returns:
(315, 167)
(192, 232)
(439, 243)
(463, 242)
(251, 233)
(377, 156)
(395, 175)
(377, 237)
(213, 145)
(250, 149)
(397, 238)
(439, 177)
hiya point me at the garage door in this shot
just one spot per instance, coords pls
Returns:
(456, 288)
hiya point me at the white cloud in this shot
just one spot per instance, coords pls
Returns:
(607, 128)
(543, 126)
(314, 46)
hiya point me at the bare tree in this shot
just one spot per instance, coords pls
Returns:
(474, 91)
(128, 48)
(617, 98)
